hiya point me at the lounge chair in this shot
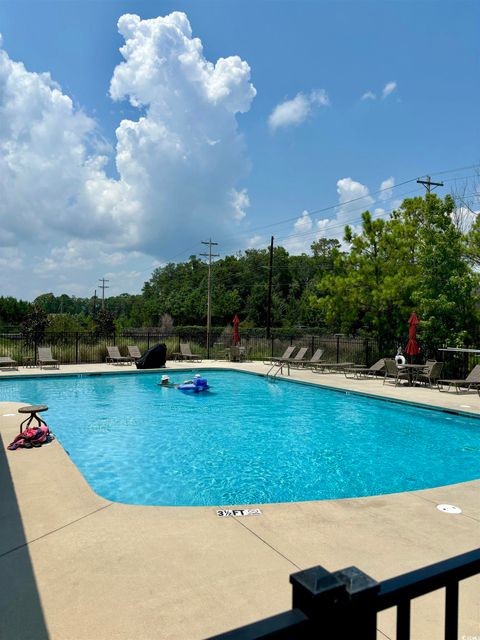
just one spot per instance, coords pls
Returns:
(114, 357)
(366, 372)
(7, 363)
(315, 359)
(472, 380)
(333, 367)
(392, 371)
(134, 352)
(45, 358)
(185, 353)
(431, 373)
(297, 360)
(285, 356)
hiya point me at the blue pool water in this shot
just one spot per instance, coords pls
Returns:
(247, 440)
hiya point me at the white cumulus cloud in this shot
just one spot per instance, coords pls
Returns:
(294, 112)
(386, 188)
(180, 163)
(389, 88)
(368, 95)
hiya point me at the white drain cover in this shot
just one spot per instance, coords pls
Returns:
(7, 415)
(448, 508)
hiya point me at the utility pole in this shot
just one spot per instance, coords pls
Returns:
(103, 286)
(209, 255)
(94, 303)
(428, 184)
(269, 301)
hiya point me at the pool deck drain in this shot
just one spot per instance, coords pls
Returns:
(92, 569)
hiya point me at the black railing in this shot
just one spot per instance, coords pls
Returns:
(345, 603)
(84, 347)
(81, 347)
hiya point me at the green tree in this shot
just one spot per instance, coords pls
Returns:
(445, 296)
(34, 325)
(104, 323)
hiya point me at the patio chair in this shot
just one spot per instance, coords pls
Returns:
(392, 371)
(431, 374)
(285, 356)
(366, 372)
(185, 353)
(472, 380)
(7, 363)
(114, 357)
(297, 360)
(315, 359)
(45, 358)
(134, 352)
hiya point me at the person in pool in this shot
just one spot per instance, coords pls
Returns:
(165, 382)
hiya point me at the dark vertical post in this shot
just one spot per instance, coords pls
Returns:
(313, 345)
(403, 620)
(367, 352)
(318, 594)
(76, 347)
(359, 616)
(451, 611)
(272, 346)
(148, 340)
(269, 300)
(338, 346)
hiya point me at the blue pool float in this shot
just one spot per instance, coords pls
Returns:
(196, 385)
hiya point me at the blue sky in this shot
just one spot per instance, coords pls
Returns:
(284, 109)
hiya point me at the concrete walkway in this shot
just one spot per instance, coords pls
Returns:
(74, 566)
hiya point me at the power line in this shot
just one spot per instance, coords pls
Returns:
(335, 206)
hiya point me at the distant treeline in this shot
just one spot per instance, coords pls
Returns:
(419, 259)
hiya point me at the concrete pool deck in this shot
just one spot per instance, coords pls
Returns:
(74, 566)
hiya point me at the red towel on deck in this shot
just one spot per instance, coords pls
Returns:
(31, 437)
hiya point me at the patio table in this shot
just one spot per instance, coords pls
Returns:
(412, 371)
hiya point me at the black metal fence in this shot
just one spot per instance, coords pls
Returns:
(345, 603)
(84, 347)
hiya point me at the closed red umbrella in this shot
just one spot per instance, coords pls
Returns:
(412, 347)
(236, 334)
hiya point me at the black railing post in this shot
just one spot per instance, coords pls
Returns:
(320, 595)
(76, 347)
(451, 611)
(338, 347)
(367, 352)
(148, 340)
(359, 616)
(272, 346)
(313, 344)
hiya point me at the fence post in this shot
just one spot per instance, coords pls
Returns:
(313, 345)
(359, 617)
(76, 347)
(148, 340)
(367, 353)
(340, 604)
(320, 595)
(338, 346)
(272, 346)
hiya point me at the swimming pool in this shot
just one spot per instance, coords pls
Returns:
(247, 440)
